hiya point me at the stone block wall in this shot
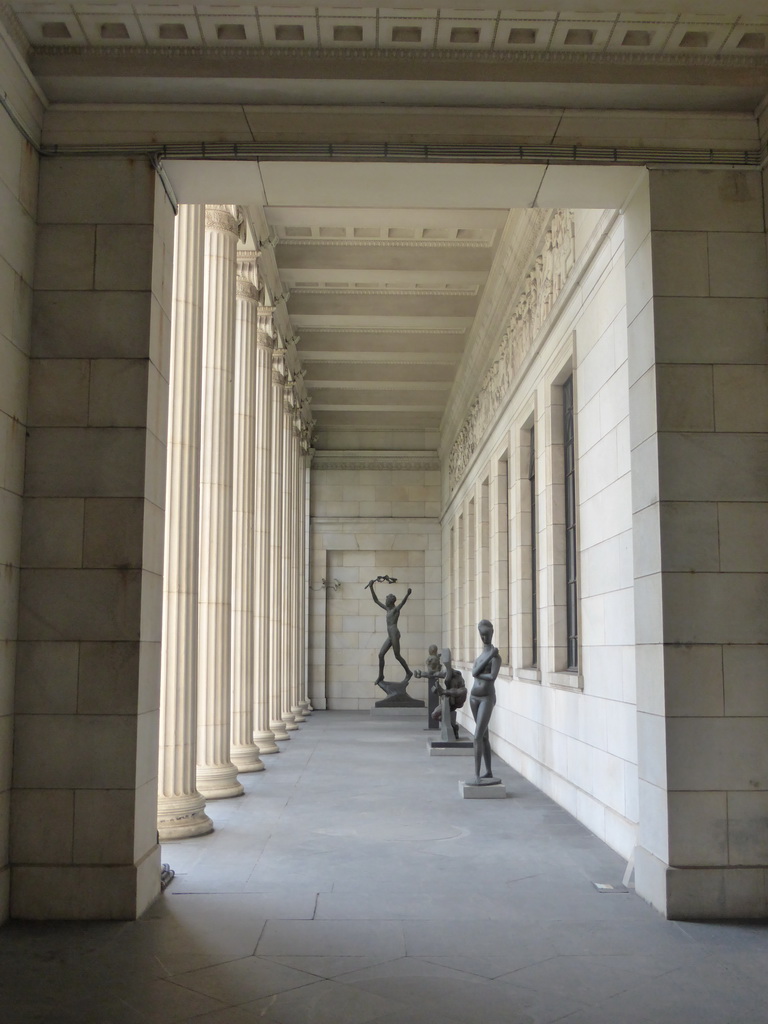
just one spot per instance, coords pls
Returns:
(18, 201)
(572, 733)
(697, 279)
(84, 840)
(367, 523)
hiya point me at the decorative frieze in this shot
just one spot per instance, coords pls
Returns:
(543, 284)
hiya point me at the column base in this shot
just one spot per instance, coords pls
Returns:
(289, 722)
(217, 782)
(265, 741)
(181, 817)
(246, 758)
(298, 713)
(279, 731)
(306, 707)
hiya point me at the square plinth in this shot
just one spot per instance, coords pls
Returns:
(397, 712)
(469, 792)
(439, 748)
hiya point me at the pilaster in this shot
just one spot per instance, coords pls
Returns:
(697, 298)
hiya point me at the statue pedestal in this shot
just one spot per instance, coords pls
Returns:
(468, 791)
(395, 712)
(440, 748)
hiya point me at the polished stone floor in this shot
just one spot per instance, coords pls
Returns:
(351, 885)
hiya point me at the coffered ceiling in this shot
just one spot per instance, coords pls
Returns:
(385, 265)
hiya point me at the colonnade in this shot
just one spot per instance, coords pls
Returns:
(233, 678)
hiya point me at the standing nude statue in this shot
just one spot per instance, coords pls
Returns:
(482, 699)
(393, 633)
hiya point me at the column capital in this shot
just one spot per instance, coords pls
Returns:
(246, 290)
(222, 218)
(265, 328)
(248, 267)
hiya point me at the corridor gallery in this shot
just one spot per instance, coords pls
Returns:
(291, 299)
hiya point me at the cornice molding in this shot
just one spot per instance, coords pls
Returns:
(352, 460)
(363, 53)
(424, 243)
(323, 329)
(466, 292)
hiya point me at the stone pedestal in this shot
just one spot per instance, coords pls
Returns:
(441, 748)
(468, 791)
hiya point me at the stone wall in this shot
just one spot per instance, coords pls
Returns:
(572, 733)
(84, 838)
(697, 286)
(18, 201)
(369, 522)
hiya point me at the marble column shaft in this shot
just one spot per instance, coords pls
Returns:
(216, 774)
(276, 649)
(286, 687)
(181, 808)
(306, 458)
(243, 751)
(263, 594)
(296, 566)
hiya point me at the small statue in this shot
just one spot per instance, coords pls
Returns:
(432, 667)
(453, 696)
(482, 699)
(393, 641)
(432, 663)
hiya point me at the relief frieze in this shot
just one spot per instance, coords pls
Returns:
(543, 284)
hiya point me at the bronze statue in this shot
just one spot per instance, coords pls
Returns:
(393, 633)
(482, 699)
(453, 694)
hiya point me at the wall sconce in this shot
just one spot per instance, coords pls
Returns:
(328, 585)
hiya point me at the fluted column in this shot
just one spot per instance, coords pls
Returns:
(276, 649)
(216, 774)
(286, 683)
(296, 567)
(306, 460)
(180, 807)
(263, 595)
(243, 750)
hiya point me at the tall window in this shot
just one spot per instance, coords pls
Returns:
(534, 553)
(571, 581)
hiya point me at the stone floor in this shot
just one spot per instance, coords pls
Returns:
(351, 885)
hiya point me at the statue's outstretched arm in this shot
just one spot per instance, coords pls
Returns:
(399, 606)
(373, 595)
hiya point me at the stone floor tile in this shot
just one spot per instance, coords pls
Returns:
(325, 1002)
(358, 874)
(241, 981)
(329, 966)
(342, 938)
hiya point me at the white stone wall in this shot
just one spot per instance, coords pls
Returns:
(572, 734)
(698, 310)
(18, 200)
(84, 825)
(367, 523)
